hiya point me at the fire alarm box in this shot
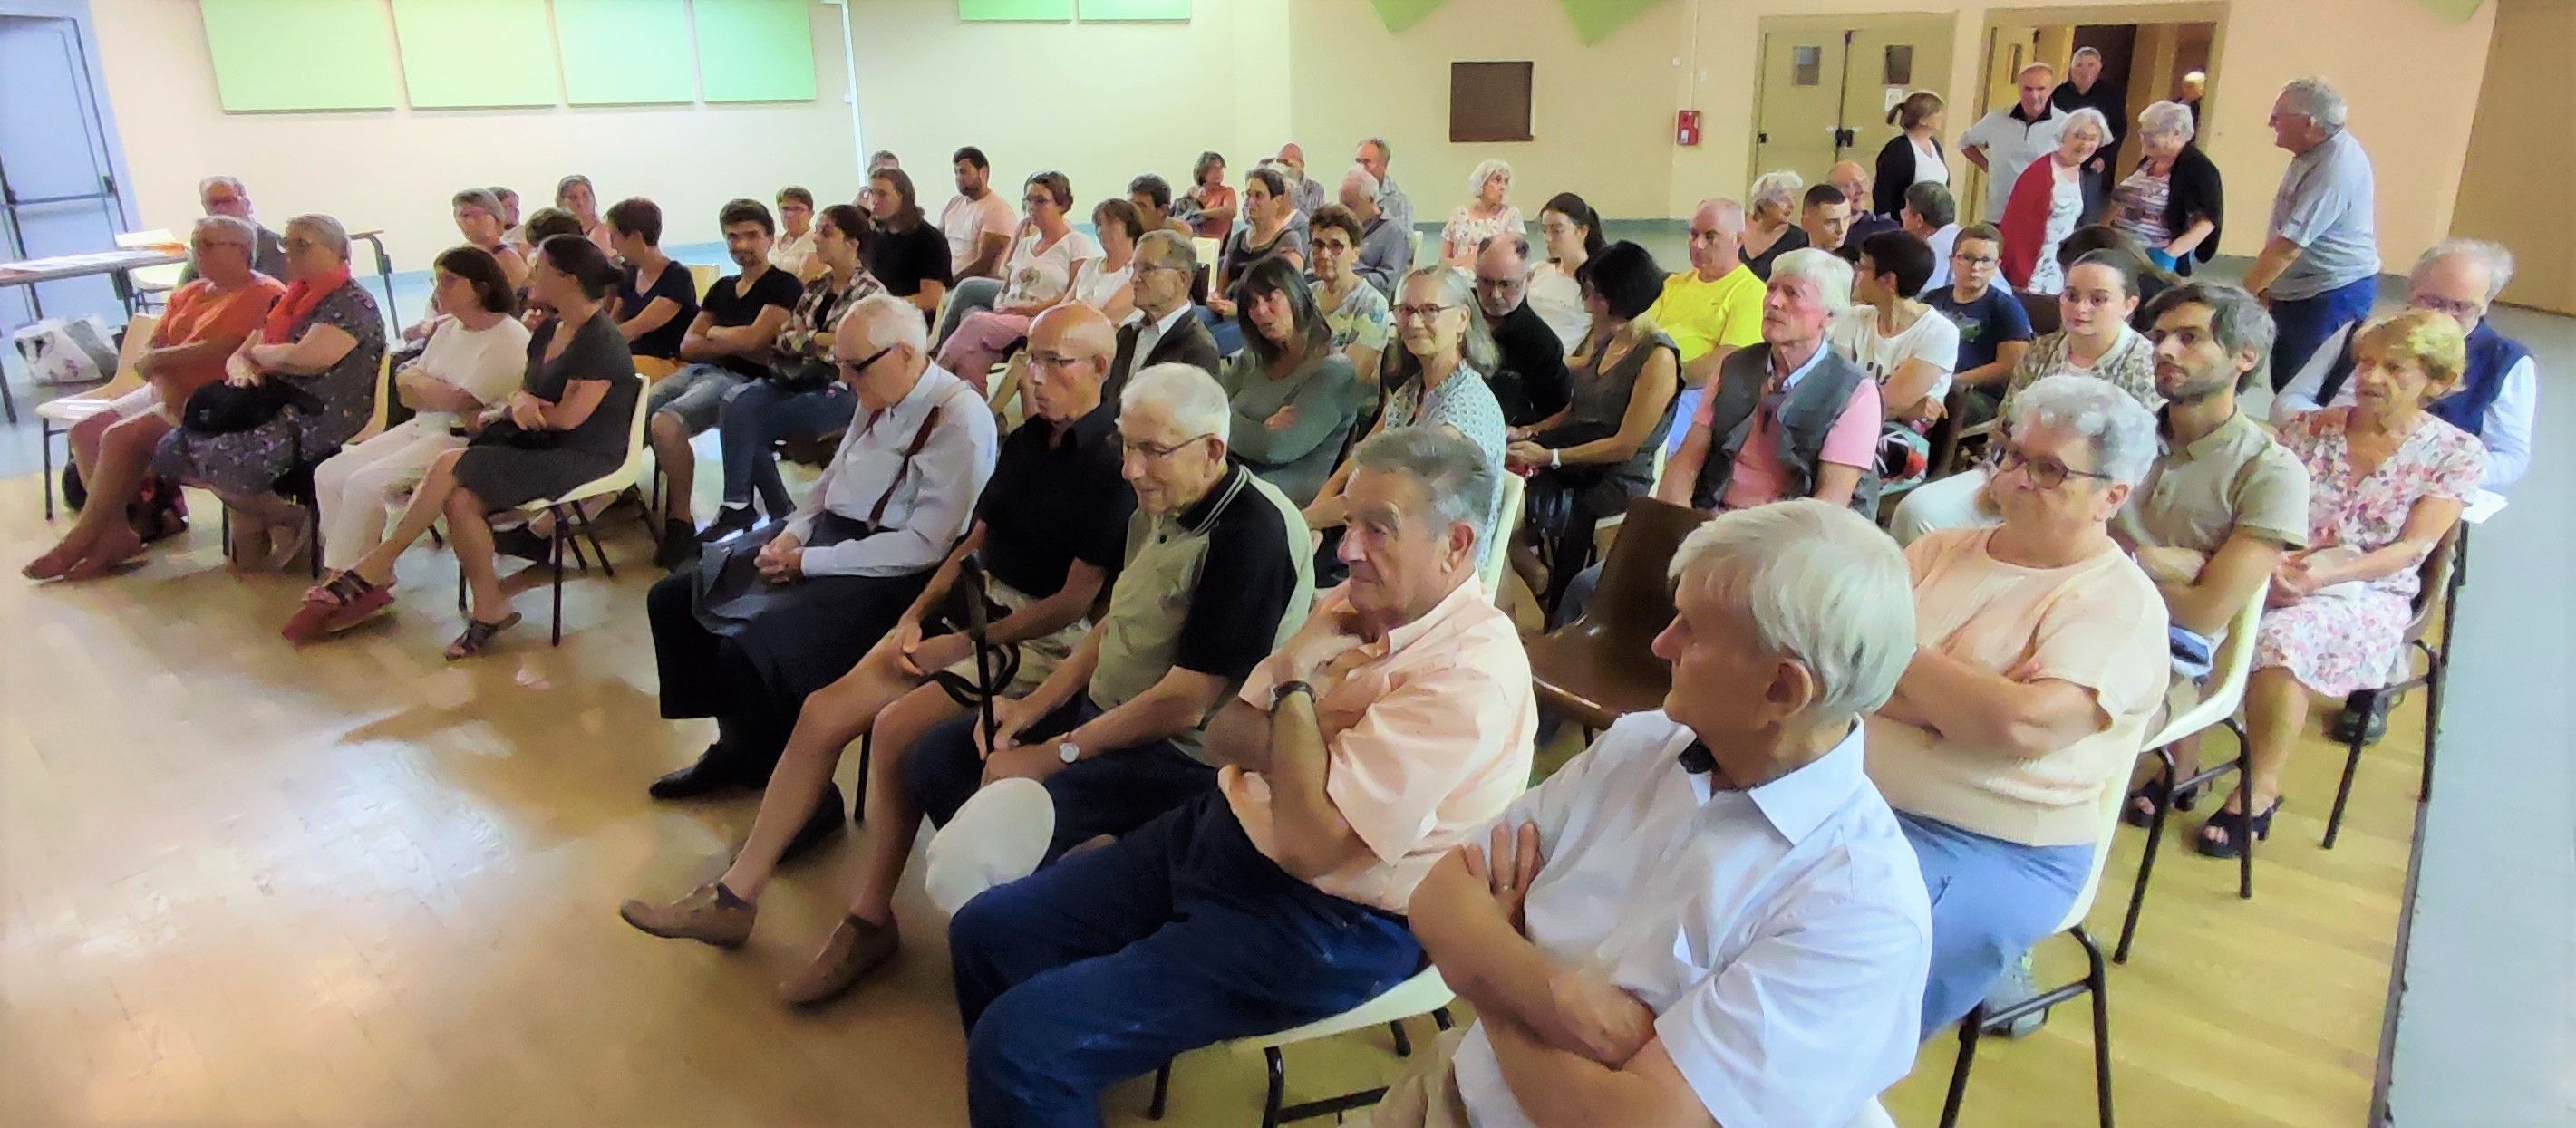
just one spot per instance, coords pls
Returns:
(1686, 128)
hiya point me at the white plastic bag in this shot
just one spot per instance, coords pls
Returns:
(78, 351)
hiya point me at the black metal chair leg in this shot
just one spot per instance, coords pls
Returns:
(1403, 1042)
(571, 538)
(2097, 981)
(45, 444)
(2244, 812)
(2351, 765)
(1162, 1090)
(1441, 1015)
(860, 814)
(2167, 773)
(2433, 677)
(1278, 1087)
(596, 549)
(556, 547)
(1969, 1029)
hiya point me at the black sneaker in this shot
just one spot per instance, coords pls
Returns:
(714, 771)
(679, 547)
(2347, 720)
(729, 521)
(524, 543)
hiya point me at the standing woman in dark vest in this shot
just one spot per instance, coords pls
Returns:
(2173, 201)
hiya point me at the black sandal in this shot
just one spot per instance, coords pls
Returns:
(2229, 825)
(478, 637)
(2141, 811)
(343, 588)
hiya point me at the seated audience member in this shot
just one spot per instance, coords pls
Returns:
(1050, 529)
(1572, 231)
(1710, 916)
(475, 359)
(1715, 307)
(2047, 204)
(2095, 340)
(800, 394)
(767, 618)
(793, 250)
(1532, 383)
(2043, 657)
(1354, 310)
(728, 344)
(1105, 283)
(1039, 274)
(1373, 156)
(2498, 394)
(979, 225)
(1861, 221)
(1907, 349)
(1386, 250)
(567, 425)
(2390, 477)
(302, 385)
(1487, 213)
(1437, 381)
(2222, 504)
(1209, 203)
(2173, 202)
(543, 224)
(907, 255)
(1585, 462)
(1294, 399)
(1395, 725)
(203, 324)
(1266, 233)
(1930, 214)
(656, 299)
(1911, 157)
(1168, 328)
(881, 161)
(2102, 238)
(225, 196)
(510, 231)
(1214, 576)
(1994, 329)
(1152, 196)
(480, 218)
(1771, 221)
(1825, 218)
(575, 196)
(1306, 194)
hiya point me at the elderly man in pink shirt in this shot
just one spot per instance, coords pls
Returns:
(1395, 725)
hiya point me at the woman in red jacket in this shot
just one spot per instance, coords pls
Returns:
(2047, 203)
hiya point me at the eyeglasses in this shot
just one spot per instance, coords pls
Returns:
(1973, 261)
(2458, 310)
(1056, 362)
(856, 367)
(1423, 312)
(1156, 452)
(2046, 473)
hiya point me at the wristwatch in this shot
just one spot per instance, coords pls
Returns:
(1068, 751)
(1281, 691)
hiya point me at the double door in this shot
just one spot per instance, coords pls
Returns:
(58, 191)
(1825, 90)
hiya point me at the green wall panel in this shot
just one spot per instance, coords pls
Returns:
(1398, 15)
(979, 10)
(1109, 10)
(1596, 20)
(755, 51)
(464, 53)
(626, 52)
(300, 55)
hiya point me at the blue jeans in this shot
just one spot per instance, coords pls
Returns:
(2302, 324)
(1180, 935)
(1227, 331)
(1113, 792)
(1991, 900)
(757, 415)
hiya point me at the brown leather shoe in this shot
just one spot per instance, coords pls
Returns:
(856, 948)
(710, 914)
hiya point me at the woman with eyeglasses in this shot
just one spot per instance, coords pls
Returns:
(2043, 658)
(1585, 462)
(1040, 274)
(2389, 481)
(1294, 398)
(2093, 340)
(1354, 310)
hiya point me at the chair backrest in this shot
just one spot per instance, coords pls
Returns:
(2431, 580)
(1634, 600)
(1507, 517)
(2042, 309)
(654, 368)
(384, 396)
(703, 277)
(1207, 251)
(2115, 797)
(129, 353)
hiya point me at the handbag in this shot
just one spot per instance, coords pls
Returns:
(226, 408)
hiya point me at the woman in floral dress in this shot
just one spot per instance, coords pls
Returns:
(2389, 482)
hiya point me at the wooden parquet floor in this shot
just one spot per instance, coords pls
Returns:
(357, 885)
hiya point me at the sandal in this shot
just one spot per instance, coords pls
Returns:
(2229, 825)
(478, 637)
(346, 601)
(342, 589)
(2141, 809)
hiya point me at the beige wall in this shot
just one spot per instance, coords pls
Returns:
(2512, 163)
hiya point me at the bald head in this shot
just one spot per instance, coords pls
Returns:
(1070, 346)
(1853, 180)
(1293, 157)
(1716, 237)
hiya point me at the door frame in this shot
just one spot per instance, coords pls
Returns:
(1853, 22)
(111, 138)
(2211, 12)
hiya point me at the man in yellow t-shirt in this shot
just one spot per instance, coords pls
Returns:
(1715, 307)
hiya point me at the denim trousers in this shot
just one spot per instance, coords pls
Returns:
(756, 416)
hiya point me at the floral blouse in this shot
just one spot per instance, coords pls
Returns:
(2435, 459)
(1465, 231)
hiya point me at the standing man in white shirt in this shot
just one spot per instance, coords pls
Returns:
(2004, 142)
(1710, 914)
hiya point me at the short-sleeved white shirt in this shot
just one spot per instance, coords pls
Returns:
(1781, 934)
(1932, 338)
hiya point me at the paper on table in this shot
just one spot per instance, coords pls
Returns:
(2486, 504)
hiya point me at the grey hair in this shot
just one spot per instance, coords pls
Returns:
(2236, 319)
(236, 229)
(1485, 170)
(2080, 52)
(325, 230)
(2493, 256)
(2166, 119)
(2311, 98)
(1385, 152)
(1368, 183)
(1831, 276)
(2088, 116)
(1460, 483)
(1458, 288)
(2122, 431)
(885, 321)
(1170, 248)
(1774, 187)
(232, 182)
(1184, 394)
(1821, 585)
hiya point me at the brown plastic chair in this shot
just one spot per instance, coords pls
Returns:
(1602, 666)
(2432, 586)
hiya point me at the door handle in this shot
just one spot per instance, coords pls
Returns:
(1763, 137)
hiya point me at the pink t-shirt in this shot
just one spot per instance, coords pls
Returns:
(1759, 477)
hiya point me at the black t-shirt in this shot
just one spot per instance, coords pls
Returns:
(902, 261)
(1049, 504)
(674, 283)
(727, 307)
(1244, 586)
(1532, 383)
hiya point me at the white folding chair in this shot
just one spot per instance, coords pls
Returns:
(565, 509)
(58, 416)
(1425, 993)
(2232, 667)
(1507, 517)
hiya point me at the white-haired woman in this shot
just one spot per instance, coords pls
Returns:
(2042, 658)
(1488, 212)
(2173, 202)
(2047, 204)
(1771, 221)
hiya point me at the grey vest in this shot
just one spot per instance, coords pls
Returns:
(1806, 415)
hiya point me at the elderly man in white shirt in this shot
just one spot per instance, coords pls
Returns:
(1711, 913)
(2005, 141)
